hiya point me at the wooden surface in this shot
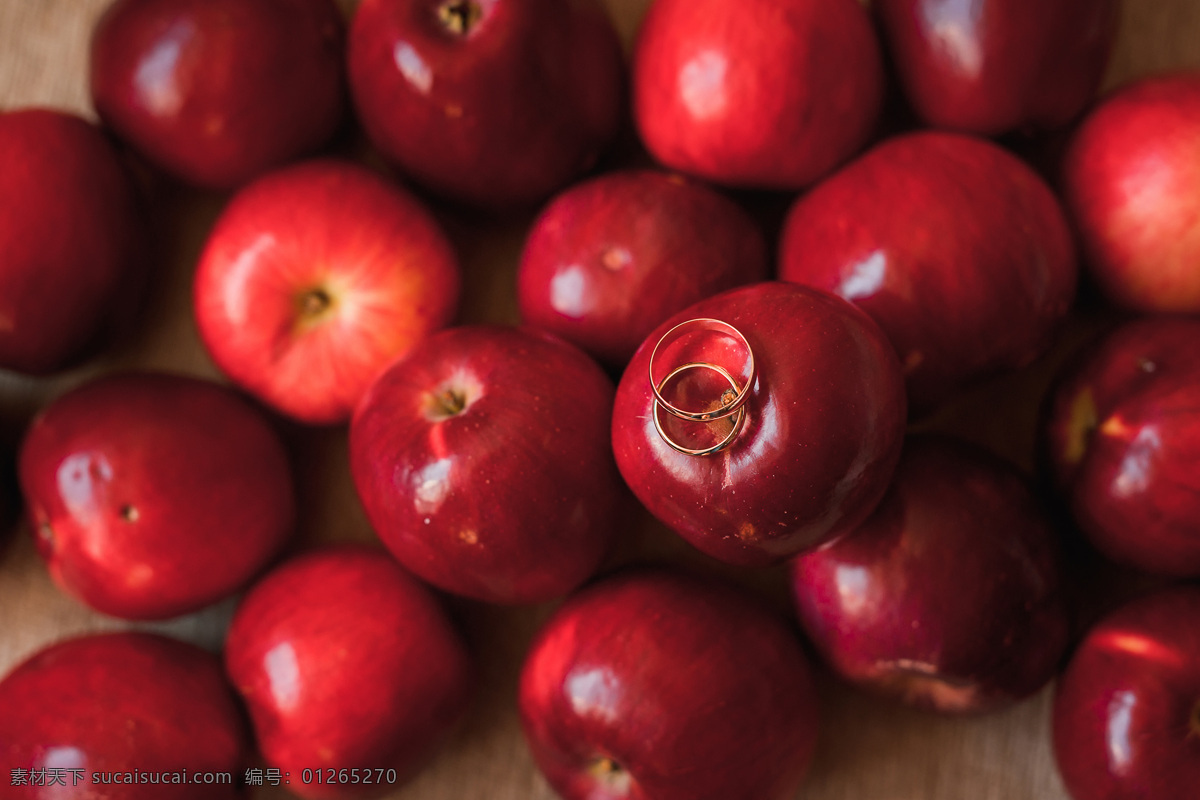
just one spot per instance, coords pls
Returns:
(869, 750)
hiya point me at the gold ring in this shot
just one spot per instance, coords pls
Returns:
(739, 413)
(741, 393)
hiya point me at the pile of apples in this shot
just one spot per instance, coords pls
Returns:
(869, 212)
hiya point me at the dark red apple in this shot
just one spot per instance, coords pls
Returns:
(959, 251)
(314, 279)
(611, 258)
(1127, 711)
(759, 93)
(1131, 179)
(823, 425)
(70, 238)
(992, 66)
(121, 716)
(654, 685)
(490, 102)
(1122, 435)
(153, 495)
(482, 459)
(216, 92)
(347, 662)
(949, 596)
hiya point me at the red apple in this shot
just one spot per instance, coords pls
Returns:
(153, 495)
(611, 258)
(490, 102)
(1122, 434)
(992, 66)
(216, 92)
(949, 595)
(314, 279)
(1127, 712)
(483, 462)
(653, 685)
(1131, 179)
(823, 426)
(347, 662)
(959, 251)
(759, 93)
(70, 238)
(121, 716)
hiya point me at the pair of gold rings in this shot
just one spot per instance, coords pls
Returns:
(731, 402)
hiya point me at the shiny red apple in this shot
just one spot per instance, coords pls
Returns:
(1131, 179)
(490, 102)
(347, 662)
(992, 66)
(121, 716)
(482, 459)
(655, 685)
(216, 92)
(1126, 717)
(314, 279)
(823, 422)
(152, 495)
(611, 258)
(1122, 435)
(949, 596)
(959, 251)
(759, 93)
(70, 239)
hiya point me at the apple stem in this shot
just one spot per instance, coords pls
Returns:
(460, 16)
(314, 302)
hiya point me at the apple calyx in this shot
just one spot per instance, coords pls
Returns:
(460, 17)
(612, 775)
(313, 306)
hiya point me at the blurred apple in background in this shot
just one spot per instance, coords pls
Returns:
(347, 662)
(824, 422)
(1131, 179)
(1126, 719)
(483, 461)
(958, 250)
(949, 596)
(1122, 437)
(767, 94)
(495, 103)
(71, 239)
(215, 92)
(152, 495)
(121, 703)
(993, 66)
(314, 279)
(611, 258)
(656, 685)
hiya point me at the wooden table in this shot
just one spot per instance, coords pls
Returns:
(870, 750)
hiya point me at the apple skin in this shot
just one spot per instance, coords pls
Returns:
(122, 702)
(1126, 719)
(71, 238)
(153, 495)
(1121, 434)
(959, 251)
(1131, 181)
(824, 426)
(657, 685)
(768, 94)
(483, 462)
(215, 92)
(993, 66)
(314, 279)
(376, 675)
(612, 257)
(949, 597)
(493, 103)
